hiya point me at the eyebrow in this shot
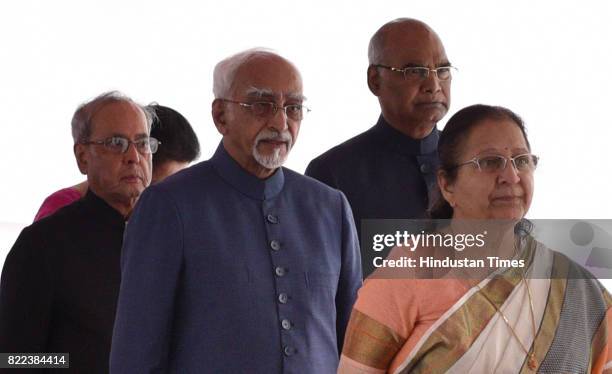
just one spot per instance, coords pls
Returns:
(137, 137)
(419, 65)
(296, 96)
(259, 92)
(269, 94)
(519, 150)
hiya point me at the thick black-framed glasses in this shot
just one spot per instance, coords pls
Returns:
(497, 163)
(119, 144)
(267, 109)
(416, 73)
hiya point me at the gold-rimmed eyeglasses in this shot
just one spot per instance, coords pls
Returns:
(415, 73)
(266, 109)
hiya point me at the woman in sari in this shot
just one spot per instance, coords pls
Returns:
(511, 321)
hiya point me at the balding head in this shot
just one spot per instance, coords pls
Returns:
(386, 38)
(84, 115)
(225, 72)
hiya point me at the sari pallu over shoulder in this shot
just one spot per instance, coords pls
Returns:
(399, 327)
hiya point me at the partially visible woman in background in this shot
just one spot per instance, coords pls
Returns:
(179, 147)
(508, 322)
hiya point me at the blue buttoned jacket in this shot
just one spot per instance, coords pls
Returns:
(223, 272)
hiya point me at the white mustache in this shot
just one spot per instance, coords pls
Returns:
(267, 134)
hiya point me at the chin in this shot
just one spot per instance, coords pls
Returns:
(515, 214)
(433, 114)
(133, 191)
(271, 161)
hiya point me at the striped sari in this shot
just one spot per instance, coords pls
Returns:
(448, 326)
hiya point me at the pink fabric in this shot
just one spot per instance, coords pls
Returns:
(57, 200)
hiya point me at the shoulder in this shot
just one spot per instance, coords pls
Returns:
(65, 194)
(51, 233)
(308, 186)
(48, 234)
(191, 179)
(65, 217)
(564, 267)
(347, 150)
(57, 200)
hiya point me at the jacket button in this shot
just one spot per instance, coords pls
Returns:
(282, 298)
(271, 218)
(286, 324)
(289, 351)
(280, 271)
(275, 245)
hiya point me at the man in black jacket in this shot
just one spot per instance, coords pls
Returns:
(59, 285)
(389, 170)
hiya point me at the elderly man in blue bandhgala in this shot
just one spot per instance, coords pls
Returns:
(238, 265)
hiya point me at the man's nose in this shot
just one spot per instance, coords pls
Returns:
(131, 155)
(432, 82)
(279, 120)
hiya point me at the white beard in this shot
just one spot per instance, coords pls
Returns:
(273, 161)
(276, 159)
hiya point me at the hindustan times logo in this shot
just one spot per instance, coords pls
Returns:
(459, 242)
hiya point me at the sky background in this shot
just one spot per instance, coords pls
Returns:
(546, 61)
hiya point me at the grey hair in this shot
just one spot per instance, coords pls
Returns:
(377, 42)
(225, 70)
(83, 116)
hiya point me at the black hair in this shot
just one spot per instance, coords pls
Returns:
(452, 140)
(178, 140)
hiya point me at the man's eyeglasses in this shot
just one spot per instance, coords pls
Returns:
(267, 109)
(119, 144)
(415, 73)
(495, 164)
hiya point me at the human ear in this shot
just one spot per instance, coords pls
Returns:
(373, 80)
(219, 116)
(82, 157)
(446, 188)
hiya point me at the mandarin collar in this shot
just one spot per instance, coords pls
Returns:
(100, 209)
(242, 180)
(402, 143)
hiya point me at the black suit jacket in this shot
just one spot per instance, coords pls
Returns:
(59, 286)
(384, 175)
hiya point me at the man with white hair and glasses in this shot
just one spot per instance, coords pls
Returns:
(239, 265)
(60, 280)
